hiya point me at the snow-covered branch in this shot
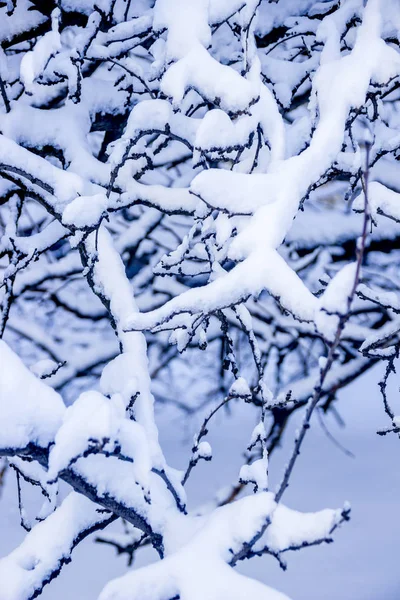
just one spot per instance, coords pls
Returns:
(198, 208)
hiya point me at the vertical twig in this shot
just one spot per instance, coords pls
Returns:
(3, 470)
(3, 93)
(332, 350)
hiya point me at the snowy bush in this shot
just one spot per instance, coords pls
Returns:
(199, 204)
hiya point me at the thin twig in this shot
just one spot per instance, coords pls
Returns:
(332, 350)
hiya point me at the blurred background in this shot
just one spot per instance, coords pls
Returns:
(361, 564)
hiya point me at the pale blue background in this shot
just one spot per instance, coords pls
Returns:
(362, 564)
